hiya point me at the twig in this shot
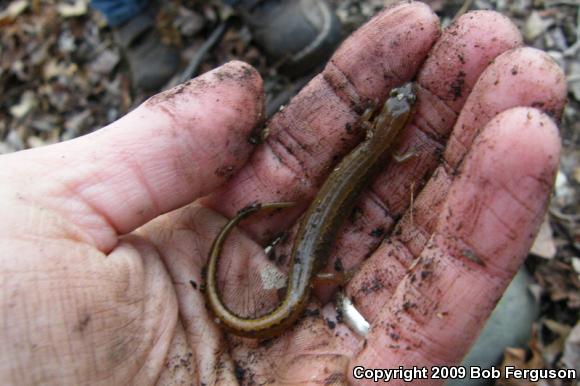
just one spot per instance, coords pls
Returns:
(466, 5)
(191, 69)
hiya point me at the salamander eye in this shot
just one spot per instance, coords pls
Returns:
(411, 98)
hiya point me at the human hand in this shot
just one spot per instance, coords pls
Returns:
(95, 292)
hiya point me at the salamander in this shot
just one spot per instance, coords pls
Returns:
(332, 204)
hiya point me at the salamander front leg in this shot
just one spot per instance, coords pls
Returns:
(400, 158)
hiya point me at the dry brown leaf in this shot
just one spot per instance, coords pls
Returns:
(544, 245)
(518, 358)
(28, 102)
(561, 282)
(78, 8)
(571, 358)
(13, 10)
(551, 339)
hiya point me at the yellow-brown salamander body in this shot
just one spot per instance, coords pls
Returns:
(333, 203)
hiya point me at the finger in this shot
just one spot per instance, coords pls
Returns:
(488, 222)
(540, 83)
(520, 77)
(311, 134)
(177, 146)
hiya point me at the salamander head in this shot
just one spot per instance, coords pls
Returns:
(402, 97)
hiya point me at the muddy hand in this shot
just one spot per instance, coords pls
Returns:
(94, 291)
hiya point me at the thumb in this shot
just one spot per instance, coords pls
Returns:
(177, 146)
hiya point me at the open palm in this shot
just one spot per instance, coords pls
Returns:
(102, 235)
